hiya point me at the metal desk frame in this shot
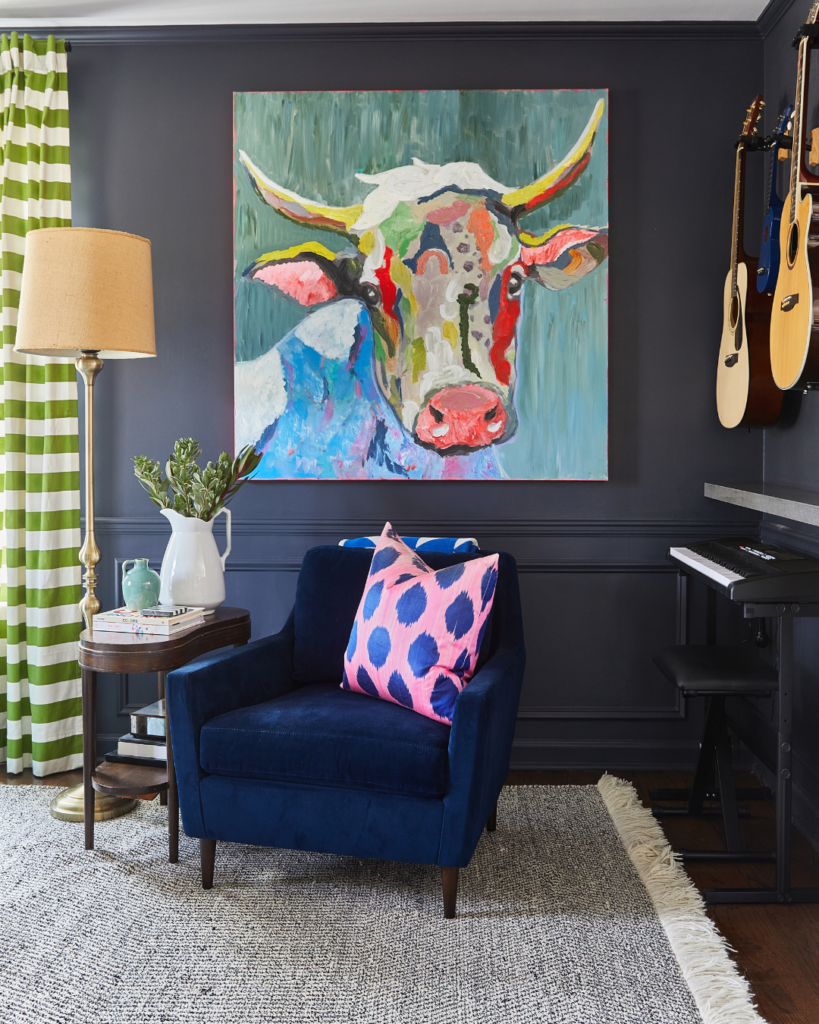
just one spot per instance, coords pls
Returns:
(782, 892)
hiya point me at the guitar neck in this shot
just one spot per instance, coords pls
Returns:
(737, 238)
(798, 133)
(773, 199)
(800, 175)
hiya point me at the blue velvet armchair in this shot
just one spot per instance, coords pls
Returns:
(269, 750)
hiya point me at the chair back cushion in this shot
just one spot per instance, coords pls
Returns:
(417, 632)
(467, 545)
(328, 593)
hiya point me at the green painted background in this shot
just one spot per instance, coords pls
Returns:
(315, 142)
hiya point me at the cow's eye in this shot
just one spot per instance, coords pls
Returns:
(369, 293)
(513, 288)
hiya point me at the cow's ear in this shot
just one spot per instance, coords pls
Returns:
(563, 255)
(305, 273)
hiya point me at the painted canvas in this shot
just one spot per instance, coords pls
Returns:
(421, 284)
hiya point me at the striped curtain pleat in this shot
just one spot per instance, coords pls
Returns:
(40, 692)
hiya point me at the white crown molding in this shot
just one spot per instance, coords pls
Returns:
(63, 14)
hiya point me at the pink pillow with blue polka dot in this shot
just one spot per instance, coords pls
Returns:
(417, 633)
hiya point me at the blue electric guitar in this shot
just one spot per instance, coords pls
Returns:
(769, 253)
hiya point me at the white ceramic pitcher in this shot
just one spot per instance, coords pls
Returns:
(193, 571)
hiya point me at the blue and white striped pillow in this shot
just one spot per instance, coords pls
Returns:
(448, 545)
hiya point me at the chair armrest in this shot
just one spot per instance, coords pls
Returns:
(483, 726)
(226, 681)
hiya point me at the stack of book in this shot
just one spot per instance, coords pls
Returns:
(163, 620)
(145, 743)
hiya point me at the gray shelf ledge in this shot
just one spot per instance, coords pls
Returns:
(785, 502)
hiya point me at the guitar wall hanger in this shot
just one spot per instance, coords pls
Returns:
(805, 32)
(751, 142)
(758, 143)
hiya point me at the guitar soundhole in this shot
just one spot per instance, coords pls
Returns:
(734, 315)
(793, 244)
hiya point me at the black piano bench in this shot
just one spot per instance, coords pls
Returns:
(715, 673)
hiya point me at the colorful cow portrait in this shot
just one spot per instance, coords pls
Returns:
(421, 283)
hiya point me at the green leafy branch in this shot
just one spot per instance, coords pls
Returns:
(191, 491)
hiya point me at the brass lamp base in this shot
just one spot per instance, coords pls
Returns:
(68, 805)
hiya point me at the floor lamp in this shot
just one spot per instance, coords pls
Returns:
(87, 293)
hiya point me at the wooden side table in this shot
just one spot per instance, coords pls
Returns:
(134, 652)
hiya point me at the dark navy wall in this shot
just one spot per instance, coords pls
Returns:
(792, 451)
(151, 153)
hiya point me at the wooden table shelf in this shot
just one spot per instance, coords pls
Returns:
(101, 651)
(129, 780)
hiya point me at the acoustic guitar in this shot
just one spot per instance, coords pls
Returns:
(746, 393)
(768, 270)
(794, 331)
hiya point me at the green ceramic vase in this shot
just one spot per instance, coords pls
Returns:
(140, 586)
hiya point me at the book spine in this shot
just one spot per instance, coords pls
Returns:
(122, 617)
(130, 737)
(139, 628)
(137, 747)
(141, 725)
(147, 762)
(141, 750)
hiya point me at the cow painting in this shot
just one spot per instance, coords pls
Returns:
(405, 363)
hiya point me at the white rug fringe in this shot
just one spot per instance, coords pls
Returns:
(722, 995)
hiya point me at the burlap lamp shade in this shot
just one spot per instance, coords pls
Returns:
(86, 289)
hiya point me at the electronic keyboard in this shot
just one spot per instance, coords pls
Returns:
(745, 569)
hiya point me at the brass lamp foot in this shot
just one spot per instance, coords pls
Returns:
(68, 805)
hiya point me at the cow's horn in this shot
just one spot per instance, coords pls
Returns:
(302, 211)
(559, 178)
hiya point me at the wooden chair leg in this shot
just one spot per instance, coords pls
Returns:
(207, 856)
(492, 824)
(449, 878)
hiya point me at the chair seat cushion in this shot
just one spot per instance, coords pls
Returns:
(323, 735)
(717, 670)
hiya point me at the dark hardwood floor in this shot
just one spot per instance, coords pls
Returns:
(777, 948)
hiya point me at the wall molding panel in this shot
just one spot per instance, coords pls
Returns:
(677, 529)
(603, 704)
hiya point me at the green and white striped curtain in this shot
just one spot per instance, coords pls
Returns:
(40, 692)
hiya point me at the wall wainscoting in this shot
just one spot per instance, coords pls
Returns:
(599, 600)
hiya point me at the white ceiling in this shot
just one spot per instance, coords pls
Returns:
(67, 13)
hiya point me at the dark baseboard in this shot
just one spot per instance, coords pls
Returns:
(604, 755)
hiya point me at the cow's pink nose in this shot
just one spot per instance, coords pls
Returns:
(461, 418)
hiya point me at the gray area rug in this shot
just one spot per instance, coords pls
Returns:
(554, 926)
